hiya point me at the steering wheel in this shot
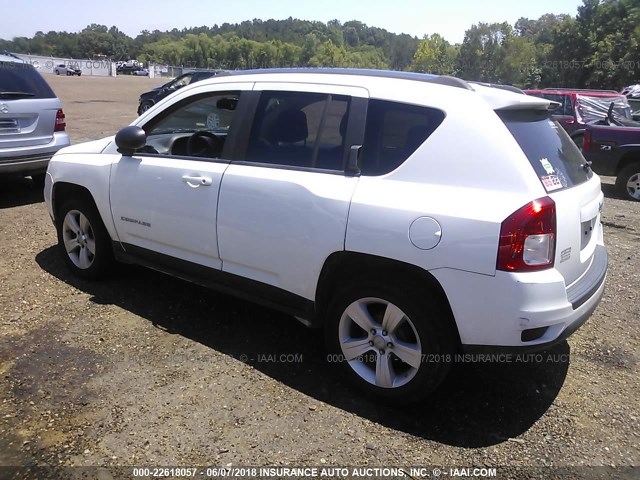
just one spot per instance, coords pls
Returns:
(204, 144)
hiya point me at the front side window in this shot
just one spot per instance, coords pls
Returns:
(393, 132)
(180, 82)
(299, 129)
(197, 127)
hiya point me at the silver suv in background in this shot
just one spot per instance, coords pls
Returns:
(32, 123)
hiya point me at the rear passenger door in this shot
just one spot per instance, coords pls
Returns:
(284, 200)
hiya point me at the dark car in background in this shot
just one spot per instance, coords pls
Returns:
(581, 107)
(150, 98)
(131, 70)
(615, 150)
(32, 123)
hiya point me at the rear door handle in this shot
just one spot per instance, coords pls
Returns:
(196, 181)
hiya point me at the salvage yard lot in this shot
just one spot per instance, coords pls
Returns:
(145, 369)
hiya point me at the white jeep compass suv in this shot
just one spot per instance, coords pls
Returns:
(411, 216)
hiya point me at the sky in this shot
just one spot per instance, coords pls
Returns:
(449, 18)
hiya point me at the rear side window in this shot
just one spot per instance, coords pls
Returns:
(551, 152)
(21, 80)
(393, 132)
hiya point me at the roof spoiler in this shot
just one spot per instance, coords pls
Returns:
(534, 105)
(509, 88)
(595, 90)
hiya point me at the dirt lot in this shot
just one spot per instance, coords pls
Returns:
(144, 369)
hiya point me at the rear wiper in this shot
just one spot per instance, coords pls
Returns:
(16, 94)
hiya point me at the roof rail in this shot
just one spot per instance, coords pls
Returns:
(581, 89)
(421, 77)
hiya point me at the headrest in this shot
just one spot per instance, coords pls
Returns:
(289, 127)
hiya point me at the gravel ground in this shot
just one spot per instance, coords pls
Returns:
(144, 369)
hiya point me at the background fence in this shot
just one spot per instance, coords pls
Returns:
(101, 68)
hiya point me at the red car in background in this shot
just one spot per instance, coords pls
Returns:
(578, 108)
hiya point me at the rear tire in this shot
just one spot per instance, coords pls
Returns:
(628, 182)
(392, 341)
(83, 239)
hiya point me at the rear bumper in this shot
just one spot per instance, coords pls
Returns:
(29, 164)
(493, 312)
(33, 159)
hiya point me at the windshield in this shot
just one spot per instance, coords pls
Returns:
(596, 108)
(551, 152)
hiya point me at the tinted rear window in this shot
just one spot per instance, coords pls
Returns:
(552, 154)
(23, 78)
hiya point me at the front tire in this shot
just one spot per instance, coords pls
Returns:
(144, 106)
(83, 239)
(392, 342)
(628, 182)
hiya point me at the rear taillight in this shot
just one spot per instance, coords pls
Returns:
(586, 142)
(60, 122)
(528, 237)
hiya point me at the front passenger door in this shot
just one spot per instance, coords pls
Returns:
(164, 199)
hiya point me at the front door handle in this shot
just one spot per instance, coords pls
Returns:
(195, 181)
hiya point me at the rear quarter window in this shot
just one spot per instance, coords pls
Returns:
(23, 78)
(393, 132)
(553, 155)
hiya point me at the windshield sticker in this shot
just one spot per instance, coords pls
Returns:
(551, 182)
(547, 166)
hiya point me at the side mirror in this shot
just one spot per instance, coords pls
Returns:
(129, 139)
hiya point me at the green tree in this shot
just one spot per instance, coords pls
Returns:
(434, 55)
(482, 51)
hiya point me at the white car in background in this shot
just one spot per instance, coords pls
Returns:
(368, 203)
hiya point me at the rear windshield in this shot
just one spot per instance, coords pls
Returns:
(21, 80)
(552, 154)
